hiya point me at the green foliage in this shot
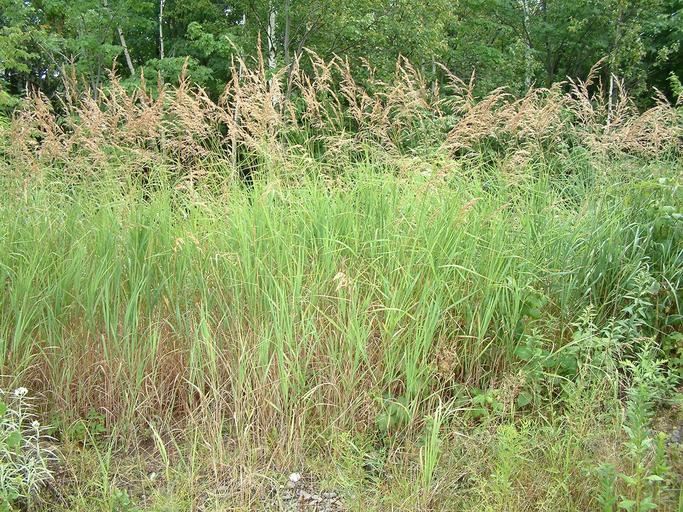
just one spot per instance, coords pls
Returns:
(25, 456)
(659, 207)
(484, 403)
(172, 68)
(89, 429)
(650, 383)
(675, 84)
(430, 451)
(507, 43)
(121, 502)
(394, 415)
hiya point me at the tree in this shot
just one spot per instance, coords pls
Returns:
(25, 41)
(507, 42)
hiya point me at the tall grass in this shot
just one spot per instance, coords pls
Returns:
(320, 112)
(289, 306)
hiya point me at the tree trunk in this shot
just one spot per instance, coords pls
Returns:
(161, 28)
(287, 51)
(528, 63)
(126, 53)
(122, 39)
(95, 82)
(272, 56)
(610, 101)
(549, 64)
(612, 65)
(236, 114)
(288, 23)
(272, 62)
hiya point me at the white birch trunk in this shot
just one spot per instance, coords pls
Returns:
(161, 28)
(272, 14)
(126, 53)
(236, 116)
(612, 66)
(610, 101)
(122, 39)
(528, 64)
(272, 55)
(288, 23)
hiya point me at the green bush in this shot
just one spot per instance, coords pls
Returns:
(25, 454)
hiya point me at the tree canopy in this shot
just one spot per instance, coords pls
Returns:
(513, 43)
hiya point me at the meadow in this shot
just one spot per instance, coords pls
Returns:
(321, 294)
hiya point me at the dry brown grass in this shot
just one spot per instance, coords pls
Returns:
(322, 101)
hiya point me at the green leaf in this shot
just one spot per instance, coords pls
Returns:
(478, 412)
(524, 399)
(383, 422)
(627, 504)
(628, 479)
(534, 313)
(13, 440)
(647, 504)
(524, 353)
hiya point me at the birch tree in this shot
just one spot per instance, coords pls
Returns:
(122, 40)
(161, 29)
(270, 33)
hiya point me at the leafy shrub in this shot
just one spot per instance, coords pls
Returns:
(648, 471)
(25, 455)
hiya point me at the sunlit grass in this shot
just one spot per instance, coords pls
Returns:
(289, 315)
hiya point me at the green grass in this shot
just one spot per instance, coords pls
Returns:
(221, 338)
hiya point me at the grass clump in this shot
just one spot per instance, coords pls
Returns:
(283, 317)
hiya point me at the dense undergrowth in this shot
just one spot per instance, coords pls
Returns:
(426, 325)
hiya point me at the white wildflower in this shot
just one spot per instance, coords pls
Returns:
(294, 478)
(20, 392)
(35, 424)
(342, 281)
